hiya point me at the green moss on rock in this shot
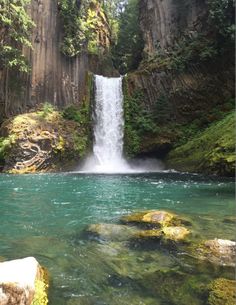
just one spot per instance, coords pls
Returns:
(44, 140)
(211, 152)
(222, 291)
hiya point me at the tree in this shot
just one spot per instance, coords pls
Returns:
(127, 52)
(15, 26)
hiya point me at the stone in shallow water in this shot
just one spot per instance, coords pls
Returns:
(218, 251)
(175, 233)
(222, 291)
(112, 232)
(22, 283)
(158, 218)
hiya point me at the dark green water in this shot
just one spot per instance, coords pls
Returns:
(45, 216)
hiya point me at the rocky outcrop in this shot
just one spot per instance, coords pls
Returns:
(184, 83)
(222, 291)
(211, 152)
(54, 78)
(163, 22)
(22, 282)
(218, 251)
(42, 141)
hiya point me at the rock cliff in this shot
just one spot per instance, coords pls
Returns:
(185, 81)
(54, 77)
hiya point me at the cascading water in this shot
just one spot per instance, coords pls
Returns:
(108, 127)
(109, 132)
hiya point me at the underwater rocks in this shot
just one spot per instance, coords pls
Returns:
(112, 232)
(157, 225)
(22, 282)
(218, 251)
(222, 291)
(157, 218)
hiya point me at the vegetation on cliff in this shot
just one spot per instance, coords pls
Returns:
(15, 26)
(83, 22)
(44, 140)
(212, 151)
(213, 40)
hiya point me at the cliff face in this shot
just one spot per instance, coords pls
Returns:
(162, 22)
(183, 84)
(54, 77)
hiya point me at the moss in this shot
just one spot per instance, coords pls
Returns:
(222, 291)
(40, 297)
(49, 139)
(211, 152)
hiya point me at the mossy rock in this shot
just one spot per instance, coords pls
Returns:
(149, 234)
(222, 292)
(155, 219)
(158, 218)
(230, 219)
(175, 287)
(175, 233)
(210, 152)
(218, 251)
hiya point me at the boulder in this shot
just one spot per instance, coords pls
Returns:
(175, 233)
(156, 218)
(22, 282)
(218, 251)
(222, 291)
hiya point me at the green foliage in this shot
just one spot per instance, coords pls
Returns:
(127, 52)
(211, 151)
(138, 121)
(5, 144)
(221, 17)
(81, 115)
(216, 40)
(15, 27)
(81, 144)
(80, 24)
(46, 110)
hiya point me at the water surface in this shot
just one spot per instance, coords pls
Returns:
(46, 215)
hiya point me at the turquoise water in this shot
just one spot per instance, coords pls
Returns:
(46, 216)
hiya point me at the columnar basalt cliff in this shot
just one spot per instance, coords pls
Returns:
(185, 81)
(54, 77)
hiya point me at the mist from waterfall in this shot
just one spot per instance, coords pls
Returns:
(108, 118)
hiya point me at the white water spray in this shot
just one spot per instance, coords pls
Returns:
(108, 127)
(108, 120)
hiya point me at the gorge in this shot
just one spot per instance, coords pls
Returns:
(117, 152)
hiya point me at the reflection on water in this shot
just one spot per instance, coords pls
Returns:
(46, 215)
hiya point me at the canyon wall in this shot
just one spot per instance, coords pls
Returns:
(184, 83)
(54, 77)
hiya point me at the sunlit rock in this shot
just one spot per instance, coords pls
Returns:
(22, 282)
(152, 234)
(157, 218)
(222, 291)
(112, 232)
(218, 251)
(175, 233)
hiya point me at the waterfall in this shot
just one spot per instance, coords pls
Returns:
(108, 127)
(109, 132)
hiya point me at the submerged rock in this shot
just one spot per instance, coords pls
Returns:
(157, 218)
(230, 219)
(112, 232)
(218, 251)
(22, 282)
(222, 291)
(176, 233)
